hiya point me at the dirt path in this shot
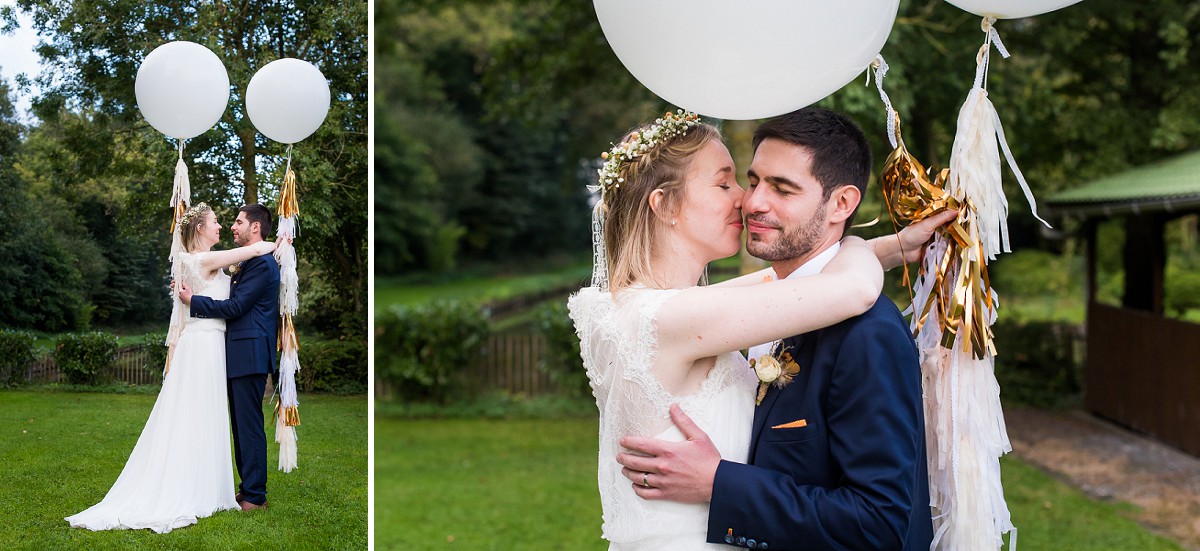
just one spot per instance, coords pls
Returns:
(1112, 463)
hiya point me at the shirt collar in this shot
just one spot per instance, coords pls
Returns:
(816, 264)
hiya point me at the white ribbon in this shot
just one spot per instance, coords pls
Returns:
(599, 252)
(881, 69)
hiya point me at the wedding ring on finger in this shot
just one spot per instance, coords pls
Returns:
(646, 479)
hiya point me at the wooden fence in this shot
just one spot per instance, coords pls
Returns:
(1143, 371)
(509, 362)
(130, 365)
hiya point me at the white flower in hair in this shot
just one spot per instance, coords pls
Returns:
(664, 128)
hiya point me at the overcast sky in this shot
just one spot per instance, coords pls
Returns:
(17, 56)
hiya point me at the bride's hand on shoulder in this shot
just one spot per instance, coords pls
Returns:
(264, 247)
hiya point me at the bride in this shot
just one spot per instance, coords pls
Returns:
(651, 337)
(180, 469)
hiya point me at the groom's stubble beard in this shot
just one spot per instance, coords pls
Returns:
(794, 243)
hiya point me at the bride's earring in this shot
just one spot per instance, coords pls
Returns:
(672, 221)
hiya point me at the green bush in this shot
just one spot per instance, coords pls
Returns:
(424, 349)
(1037, 363)
(333, 366)
(155, 345)
(16, 353)
(561, 358)
(83, 356)
(1181, 291)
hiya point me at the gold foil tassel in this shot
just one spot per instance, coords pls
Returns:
(287, 339)
(961, 297)
(288, 206)
(180, 208)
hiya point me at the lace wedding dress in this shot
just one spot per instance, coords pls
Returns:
(618, 342)
(180, 469)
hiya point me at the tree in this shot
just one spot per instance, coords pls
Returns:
(39, 286)
(93, 50)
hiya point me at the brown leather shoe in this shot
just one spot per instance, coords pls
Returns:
(247, 506)
(238, 498)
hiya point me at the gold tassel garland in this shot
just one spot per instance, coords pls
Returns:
(962, 295)
(289, 205)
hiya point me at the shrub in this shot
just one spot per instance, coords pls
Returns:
(333, 366)
(561, 358)
(83, 356)
(1181, 291)
(16, 353)
(423, 349)
(155, 346)
(1037, 364)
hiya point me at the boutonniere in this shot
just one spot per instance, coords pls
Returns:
(233, 269)
(771, 370)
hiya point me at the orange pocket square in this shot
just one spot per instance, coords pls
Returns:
(793, 425)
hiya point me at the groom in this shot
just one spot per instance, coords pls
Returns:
(252, 314)
(837, 458)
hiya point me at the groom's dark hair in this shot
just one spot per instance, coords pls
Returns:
(840, 152)
(258, 213)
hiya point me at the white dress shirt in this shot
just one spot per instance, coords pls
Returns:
(812, 267)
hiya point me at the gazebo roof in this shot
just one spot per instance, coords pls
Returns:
(1170, 185)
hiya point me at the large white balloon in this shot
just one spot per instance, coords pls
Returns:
(182, 89)
(287, 100)
(745, 60)
(1011, 9)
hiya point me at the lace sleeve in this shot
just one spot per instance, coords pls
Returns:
(191, 264)
(587, 310)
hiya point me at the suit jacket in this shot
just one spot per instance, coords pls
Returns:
(852, 474)
(251, 317)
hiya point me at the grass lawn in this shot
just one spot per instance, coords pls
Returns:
(483, 288)
(531, 484)
(63, 450)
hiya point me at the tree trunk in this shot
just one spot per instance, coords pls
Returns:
(249, 174)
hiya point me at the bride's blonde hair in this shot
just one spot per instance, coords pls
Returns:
(631, 227)
(189, 224)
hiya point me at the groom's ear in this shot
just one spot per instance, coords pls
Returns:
(256, 227)
(842, 204)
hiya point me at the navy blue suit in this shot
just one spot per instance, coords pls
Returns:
(854, 476)
(251, 332)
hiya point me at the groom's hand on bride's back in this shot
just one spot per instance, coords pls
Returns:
(185, 293)
(675, 471)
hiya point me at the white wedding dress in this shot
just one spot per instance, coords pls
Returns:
(180, 469)
(618, 342)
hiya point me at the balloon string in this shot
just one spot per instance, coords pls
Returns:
(881, 69)
(982, 59)
(180, 147)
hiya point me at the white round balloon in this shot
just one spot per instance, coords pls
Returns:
(1011, 9)
(287, 100)
(182, 89)
(745, 60)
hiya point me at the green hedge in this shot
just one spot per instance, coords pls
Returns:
(561, 359)
(1037, 363)
(424, 349)
(333, 366)
(16, 353)
(83, 356)
(155, 344)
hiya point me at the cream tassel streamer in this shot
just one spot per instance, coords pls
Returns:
(287, 410)
(181, 197)
(965, 429)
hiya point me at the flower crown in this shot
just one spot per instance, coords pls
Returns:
(664, 128)
(192, 212)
